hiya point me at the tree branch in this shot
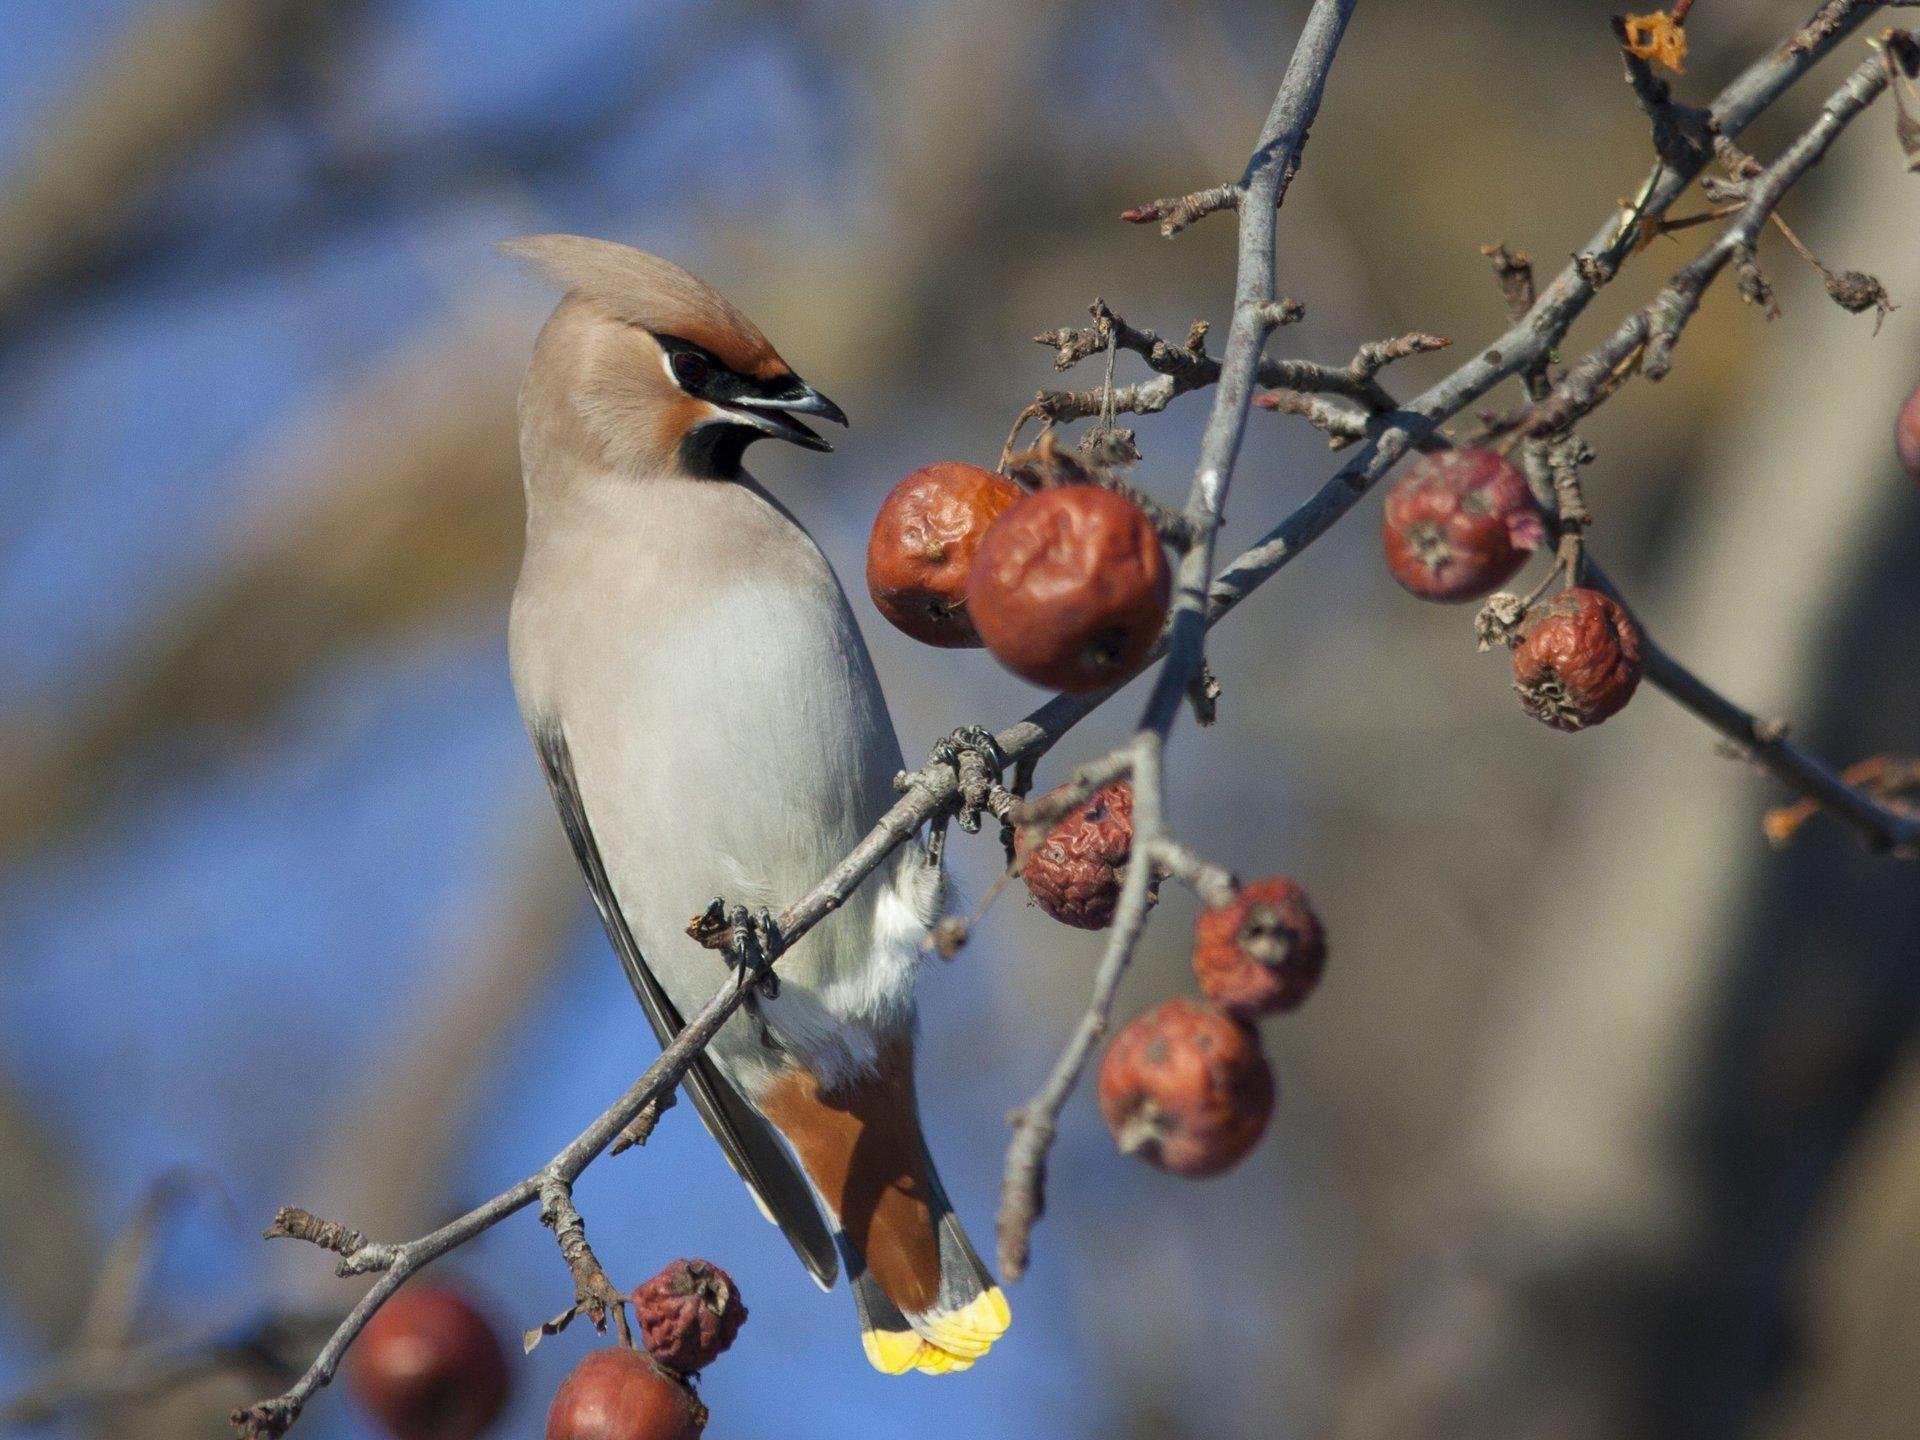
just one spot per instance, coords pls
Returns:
(1201, 600)
(1532, 339)
(1275, 160)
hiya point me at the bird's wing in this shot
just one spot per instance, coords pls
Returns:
(751, 1146)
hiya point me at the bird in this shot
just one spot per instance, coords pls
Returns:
(711, 725)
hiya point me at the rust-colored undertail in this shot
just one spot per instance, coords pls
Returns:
(926, 1302)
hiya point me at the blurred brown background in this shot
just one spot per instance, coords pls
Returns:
(1602, 1123)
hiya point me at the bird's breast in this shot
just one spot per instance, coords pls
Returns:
(729, 739)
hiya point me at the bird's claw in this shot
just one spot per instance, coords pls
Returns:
(745, 941)
(757, 943)
(977, 762)
(971, 739)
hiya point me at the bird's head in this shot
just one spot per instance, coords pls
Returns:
(649, 367)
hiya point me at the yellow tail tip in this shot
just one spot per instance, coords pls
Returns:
(935, 1361)
(891, 1352)
(971, 1330)
(956, 1339)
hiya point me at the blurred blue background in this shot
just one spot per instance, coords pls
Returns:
(281, 901)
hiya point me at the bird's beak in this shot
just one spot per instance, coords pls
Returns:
(775, 415)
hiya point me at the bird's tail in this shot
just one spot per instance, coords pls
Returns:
(968, 1314)
(926, 1301)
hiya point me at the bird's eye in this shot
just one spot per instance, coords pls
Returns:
(688, 368)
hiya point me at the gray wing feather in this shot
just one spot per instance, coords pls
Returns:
(750, 1144)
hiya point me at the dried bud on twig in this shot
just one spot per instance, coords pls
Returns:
(1499, 620)
(1180, 211)
(1754, 287)
(292, 1223)
(1855, 290)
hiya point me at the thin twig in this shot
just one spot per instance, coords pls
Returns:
(1766, 743)
(1531, 340)
(1652, 332)
(1264, 186)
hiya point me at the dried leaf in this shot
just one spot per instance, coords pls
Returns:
(531, 1338)
(1658, 38)
(1855, 291)
(1889, 780)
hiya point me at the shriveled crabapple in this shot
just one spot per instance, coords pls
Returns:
(1070, 588)
(1260, 953)
(1578, 660)
(922, 547)
(1459, 524)
(1185, 1087)
(1074, 869)
(689, 1314)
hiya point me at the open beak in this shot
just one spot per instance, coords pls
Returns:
(778, 415)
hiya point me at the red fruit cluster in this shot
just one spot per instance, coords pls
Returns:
(1074, 870)
(1185, 1088)
(1578, 660)
(922, 548)
(622, 1394)
(1906, 434)
(1459, 525)
(1070, 588)
(1067, 586)
(1260, 953)
(428, 1366)
(689, 1313)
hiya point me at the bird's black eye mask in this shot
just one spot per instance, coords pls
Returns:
(752, 408)
(699, 372)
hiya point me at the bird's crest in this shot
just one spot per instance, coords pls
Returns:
(640, 289)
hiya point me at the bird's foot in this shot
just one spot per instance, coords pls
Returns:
(977, 762)
(745, 941)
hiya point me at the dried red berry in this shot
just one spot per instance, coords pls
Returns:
(622, 1394)
(1261, 952)
(922, 548)
(428, 1366)
(1073, 873)
(1070, 588)
(1578, 660)
(689, 1313)
(1459, 524)
(1906, 434)
(1185, 1088)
